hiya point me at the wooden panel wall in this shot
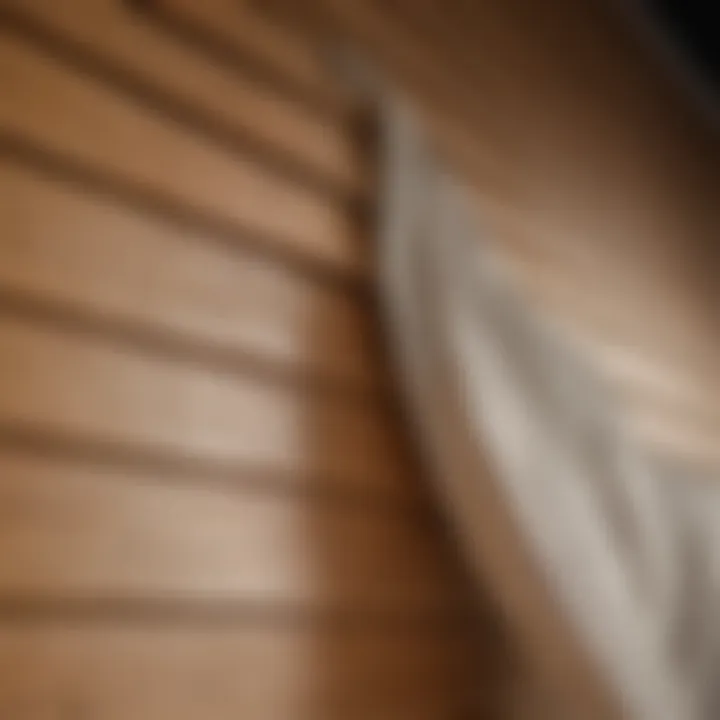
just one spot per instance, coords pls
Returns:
(207, 508)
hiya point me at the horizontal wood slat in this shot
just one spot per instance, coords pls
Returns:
(165, 673)
(73, 114)
(232, 105)
(91, 532)
(96, 390)
(60, 245)
(236, 26)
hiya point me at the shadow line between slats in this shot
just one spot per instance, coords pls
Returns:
(177, 110)
(209, 612)
(171, 468)
(173, 345)
(133, 194)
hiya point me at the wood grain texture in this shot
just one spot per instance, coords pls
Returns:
(97, 390)
(66, 248)
(233, 106)
(83, 119)
(92, 533)
(222, 673)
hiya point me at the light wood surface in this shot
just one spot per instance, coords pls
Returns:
(243, 112)
(96, 389)
(65, 247)
(83, 119)
(90, 532)
(208, 506)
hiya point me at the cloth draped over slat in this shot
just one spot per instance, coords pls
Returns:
(627, 548)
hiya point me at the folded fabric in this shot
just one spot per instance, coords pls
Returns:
(506, 405)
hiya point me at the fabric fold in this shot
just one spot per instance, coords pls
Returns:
(505, 402)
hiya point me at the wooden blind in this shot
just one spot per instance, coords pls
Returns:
(207, 506)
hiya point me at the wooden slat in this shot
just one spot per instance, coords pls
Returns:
(165, 673)
(228, 102)
(235, 25)
(102, 391)
(84, 252)
(91, 532)
(81, 118)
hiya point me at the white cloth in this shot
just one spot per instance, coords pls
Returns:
(629, 548)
